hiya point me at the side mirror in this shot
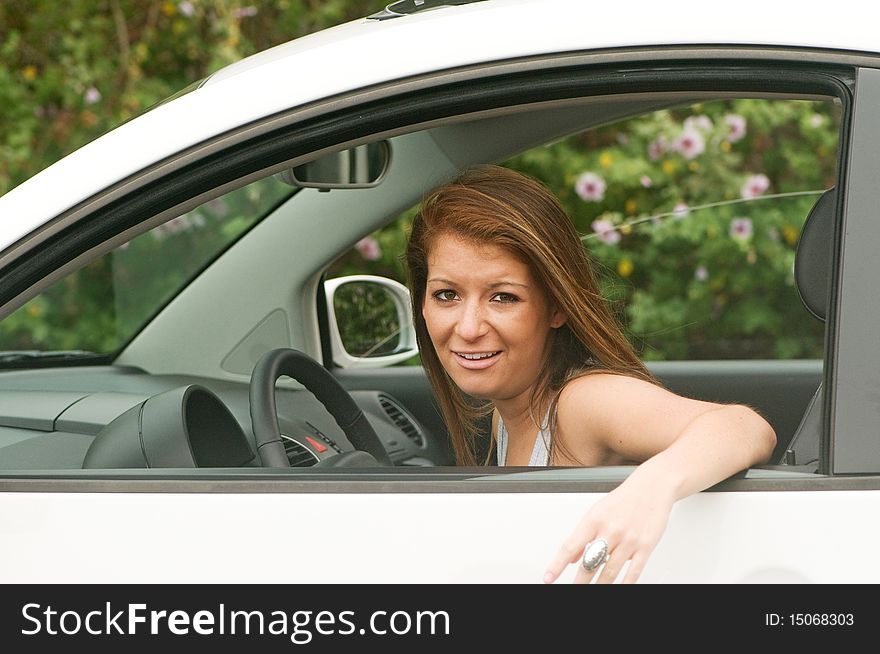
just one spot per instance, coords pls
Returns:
(370, 321)
(362, 166)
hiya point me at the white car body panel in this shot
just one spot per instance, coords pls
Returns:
(324, 538)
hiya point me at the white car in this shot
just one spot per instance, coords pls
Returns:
(219, 226)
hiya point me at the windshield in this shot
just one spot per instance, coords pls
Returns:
(99, 308)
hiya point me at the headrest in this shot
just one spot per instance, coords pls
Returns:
(812, 261)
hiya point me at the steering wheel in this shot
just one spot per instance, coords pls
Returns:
(337, 401)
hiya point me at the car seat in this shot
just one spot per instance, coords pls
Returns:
(812, 274)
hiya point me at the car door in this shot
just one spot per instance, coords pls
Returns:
(443, 524)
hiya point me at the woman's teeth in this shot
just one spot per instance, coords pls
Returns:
(476, 356)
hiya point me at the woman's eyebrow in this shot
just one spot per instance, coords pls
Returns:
(507, 283)
(498, 284)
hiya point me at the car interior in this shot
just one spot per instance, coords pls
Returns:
(186, 390)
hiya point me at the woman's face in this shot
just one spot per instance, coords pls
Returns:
(488, 318)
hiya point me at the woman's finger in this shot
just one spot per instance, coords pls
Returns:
(583, 576)
(614, 565)
(636, 565)
(572, 551)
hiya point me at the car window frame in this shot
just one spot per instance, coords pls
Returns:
(851, 370)
(155, 197)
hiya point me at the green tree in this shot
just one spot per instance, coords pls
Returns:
(69, 71)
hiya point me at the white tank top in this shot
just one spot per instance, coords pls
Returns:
(540, 453)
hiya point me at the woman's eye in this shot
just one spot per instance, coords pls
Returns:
(445, 295)
(505, 298)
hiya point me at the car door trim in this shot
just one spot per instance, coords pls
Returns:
(375, 481)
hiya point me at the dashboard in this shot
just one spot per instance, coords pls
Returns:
(123, 417)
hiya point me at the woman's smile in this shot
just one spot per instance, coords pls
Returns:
(477, 360)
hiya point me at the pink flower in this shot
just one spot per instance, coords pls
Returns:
(657, 148)
(92, 95)
(737, 127)
(702, 123)
(245, 12)
(369, 248)
(741, 229)
(681, 210)
(180, 224)
(174, 226)
(646, 181)
(218, 207)
(755, 186)
(701, 274)
(690, 144)
(186, 8)
(590, 187)
(605, 230)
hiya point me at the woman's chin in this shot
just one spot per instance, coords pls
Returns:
(479, 390)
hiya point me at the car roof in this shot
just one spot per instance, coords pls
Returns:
(499, 29)
(367, 52)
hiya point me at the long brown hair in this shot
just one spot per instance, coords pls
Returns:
(495, 205)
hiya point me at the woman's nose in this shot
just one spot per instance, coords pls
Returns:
(471, 322)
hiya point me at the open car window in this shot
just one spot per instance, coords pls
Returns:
(693, 215)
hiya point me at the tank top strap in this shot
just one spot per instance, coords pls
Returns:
(540, 452)
(501, 442)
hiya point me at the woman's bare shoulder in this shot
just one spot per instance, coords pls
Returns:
(599, 405)
(601, 386)
(630, 416)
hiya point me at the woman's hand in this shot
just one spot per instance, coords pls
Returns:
(689, 446)
(631, 519)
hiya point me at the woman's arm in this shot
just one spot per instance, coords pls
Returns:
(686, 445)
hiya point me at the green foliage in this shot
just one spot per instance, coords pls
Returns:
(695, 265)
(714, 281)
(367, 318)
(71, 70)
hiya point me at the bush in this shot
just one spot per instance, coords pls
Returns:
(690, 272)
(70, 71)
(693, 216)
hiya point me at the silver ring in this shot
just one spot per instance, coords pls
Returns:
(595, 554)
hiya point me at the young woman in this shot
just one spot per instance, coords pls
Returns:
(509, 320)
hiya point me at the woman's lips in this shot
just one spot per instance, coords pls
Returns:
(476, 364)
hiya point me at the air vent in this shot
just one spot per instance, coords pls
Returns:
(299, 455)
(400, 418)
